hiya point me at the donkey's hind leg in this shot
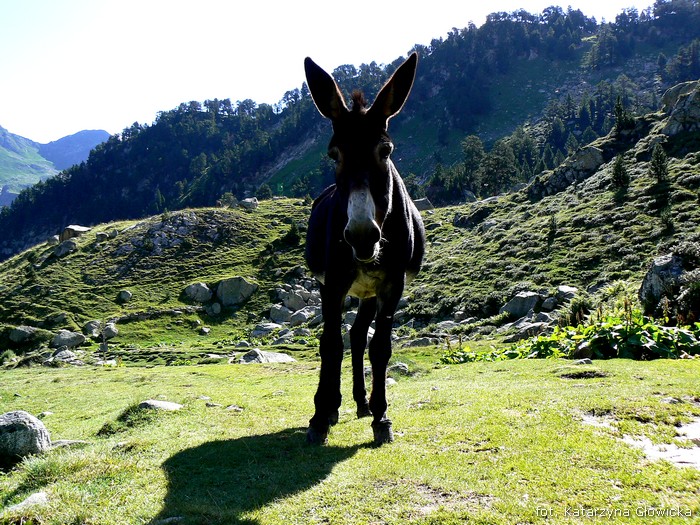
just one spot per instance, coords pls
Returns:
(358, 344)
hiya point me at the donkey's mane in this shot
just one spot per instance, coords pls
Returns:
(359, 103)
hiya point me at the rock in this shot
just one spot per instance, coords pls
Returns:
(480, 213)
(260, 356)
(21, 434)
(663, 275)
(198, 292)
(584, 361)
(53, 240)
(399, 368)
(549, 304)
(250, 203)
(423, 204)
(124, 296)
(304, 315)
(685, 114)
(93, 329)
(521, 304)
(22, 334)
(73, 230)
(213, 309)
(293, 300)
(566, 293)
(280, 314)
(423, 341)
(157, 404)
(68, 339)
(64, 355)
(446, 326)
(101, 237)
(243, 344)
(263, 329)
(205, 330)
(35, 500)
(110, 331)
(65, 248)
(235, 291)
(525, 330)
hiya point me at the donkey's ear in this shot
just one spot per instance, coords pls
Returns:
(324, 91)
(393, 95)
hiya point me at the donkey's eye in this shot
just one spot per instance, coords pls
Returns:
(334, 153)
(384, 149)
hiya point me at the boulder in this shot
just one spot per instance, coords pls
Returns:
(685, 114)
(157, 404)
(661, 278)
(260, 356)
(565, 293)
(35, 500)
(521, 304)
(68, 339)
(198, 292)
(93, 329)
(21, 434)
(280, 314)
(293, 300)
(53, 240)
(73, 230)
(423, 204)
(235, 291)
(250, 203)
(22, 334)
(304, 315)
(65, 248)
(263, 329)
(124, 296)
(214, 309)
(423, 341)
(110, 331)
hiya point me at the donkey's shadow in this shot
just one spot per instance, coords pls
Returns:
(222, 481)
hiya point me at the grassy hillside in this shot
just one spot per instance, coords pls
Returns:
(591, 234)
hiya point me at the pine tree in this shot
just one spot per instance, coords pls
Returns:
(620, 176)
(658, 167)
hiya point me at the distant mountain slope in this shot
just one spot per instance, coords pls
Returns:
(24, 162)
(72, 149)
(21, 164)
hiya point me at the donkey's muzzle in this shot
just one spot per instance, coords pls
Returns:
(364, 240)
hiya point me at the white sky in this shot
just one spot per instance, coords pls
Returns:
(69, 65)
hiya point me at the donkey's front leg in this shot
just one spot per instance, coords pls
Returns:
(328, 398)
(358, 345)
(379, 355)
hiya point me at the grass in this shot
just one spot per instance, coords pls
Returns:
(478, 443)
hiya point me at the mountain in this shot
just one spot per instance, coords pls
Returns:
(526, 90)
(73, 149)
(24, 162)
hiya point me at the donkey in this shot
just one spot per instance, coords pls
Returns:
(365, 239)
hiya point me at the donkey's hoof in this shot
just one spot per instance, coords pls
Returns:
(363, 411)
(382, 432)
(316, 437)
(333, 418)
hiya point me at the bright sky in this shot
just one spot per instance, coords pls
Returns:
(69, 65)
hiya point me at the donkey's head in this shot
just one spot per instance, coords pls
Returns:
(361, 148)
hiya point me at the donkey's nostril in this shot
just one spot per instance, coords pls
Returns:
(348, 236)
